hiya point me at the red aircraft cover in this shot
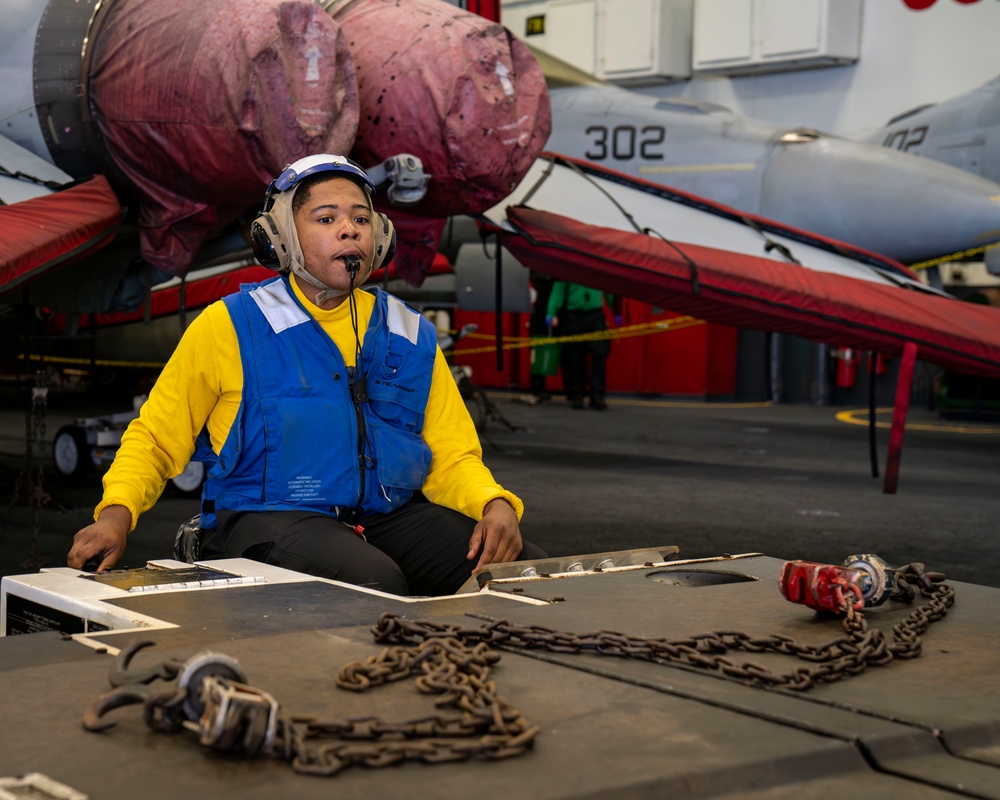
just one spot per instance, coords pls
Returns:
(48, 232)
(166, 301)
(200, 104)
(417, 240)
(202, 290)
(454, 89)
(753, 292)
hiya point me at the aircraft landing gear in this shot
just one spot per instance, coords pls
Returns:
(70, 451)
(190, 480)
(90, 442)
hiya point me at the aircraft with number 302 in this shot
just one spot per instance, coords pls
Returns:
(855, 192)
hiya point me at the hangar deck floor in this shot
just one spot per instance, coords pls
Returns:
(789, 481)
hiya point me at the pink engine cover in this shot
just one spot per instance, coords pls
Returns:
(200, 104)
(456, 90)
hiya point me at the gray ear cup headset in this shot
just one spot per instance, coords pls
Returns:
(266, 240)
(385, 240)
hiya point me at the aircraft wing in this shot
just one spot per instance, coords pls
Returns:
(44, 227)
(595, 195)
(756, 292)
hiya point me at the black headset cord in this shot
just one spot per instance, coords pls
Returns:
(358, 389)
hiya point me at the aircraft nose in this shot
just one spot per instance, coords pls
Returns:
(902, 206)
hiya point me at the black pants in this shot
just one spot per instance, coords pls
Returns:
(420, 548)
(573, 356)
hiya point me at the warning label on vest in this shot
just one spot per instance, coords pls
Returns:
(304, 487)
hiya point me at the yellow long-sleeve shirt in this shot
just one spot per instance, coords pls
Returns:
(202, 385)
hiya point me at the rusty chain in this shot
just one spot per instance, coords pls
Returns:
(454, 663)
(235, 717)
(851, 654)
(445, 666)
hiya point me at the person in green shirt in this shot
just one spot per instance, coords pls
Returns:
(574, 309)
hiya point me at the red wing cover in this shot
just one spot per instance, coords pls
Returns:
(166, 301)
(205, 287)
(417, 240)
(752, 292)
(49, 232)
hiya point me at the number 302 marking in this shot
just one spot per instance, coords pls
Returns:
(622, 140)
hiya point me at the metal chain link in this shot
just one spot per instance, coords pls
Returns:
(445, 666)
(834, 660)
(454, 663)
(237, 717)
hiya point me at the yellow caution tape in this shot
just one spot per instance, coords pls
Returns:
(954, 257)
(94, 362)
(622, 332)
(510, 342)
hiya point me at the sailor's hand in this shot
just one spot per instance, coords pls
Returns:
(105, 539)
(497, 534)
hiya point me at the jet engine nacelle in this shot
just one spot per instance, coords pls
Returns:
(190, 107)
(466, 96)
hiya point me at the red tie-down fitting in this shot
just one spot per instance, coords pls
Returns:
(824, 587)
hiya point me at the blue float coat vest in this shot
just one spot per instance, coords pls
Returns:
(299, 440)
